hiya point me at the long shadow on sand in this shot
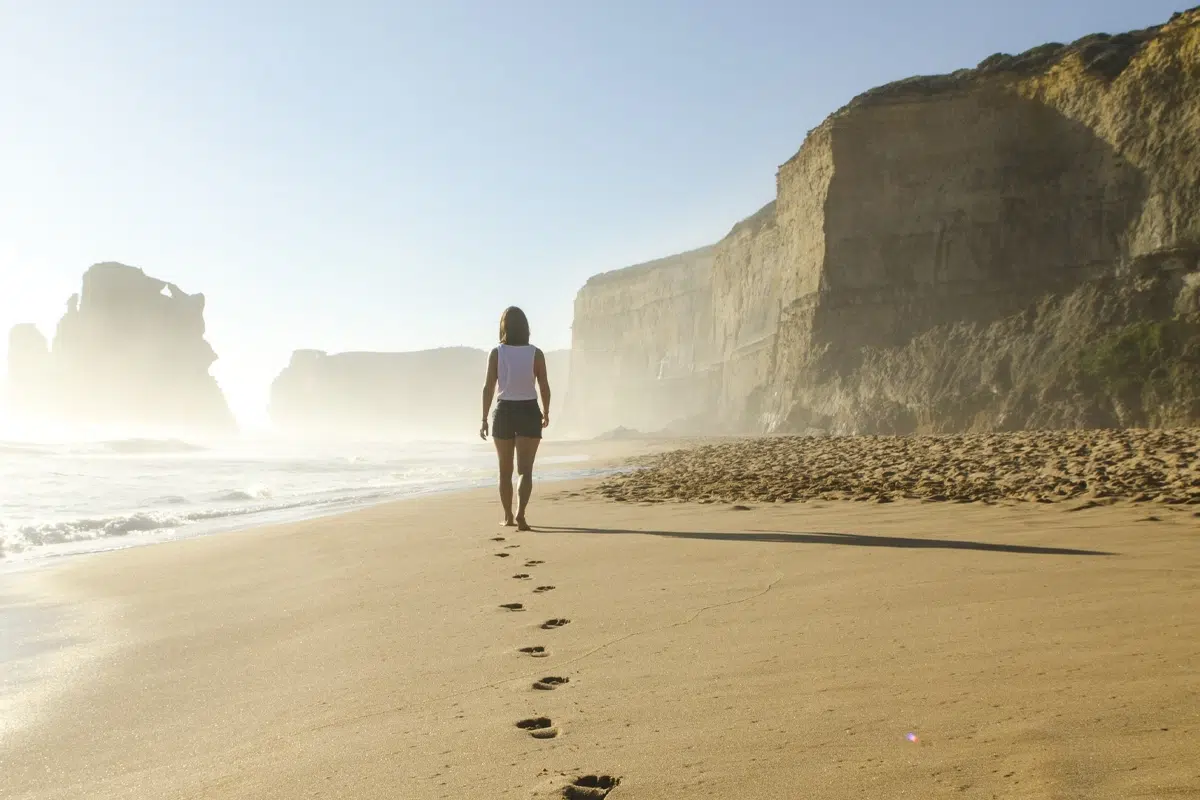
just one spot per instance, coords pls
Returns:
(852, 539)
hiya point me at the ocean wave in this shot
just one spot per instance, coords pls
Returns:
(98, 528)
(15, 449)
(136, 446)
(239, 495)
(92, 495)
(110, 447)
(22, 538)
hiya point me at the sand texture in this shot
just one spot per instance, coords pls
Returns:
(1040, 466)
(817, 650)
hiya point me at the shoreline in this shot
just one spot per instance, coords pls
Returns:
(35, 664)
(367, 653)
(589, 460)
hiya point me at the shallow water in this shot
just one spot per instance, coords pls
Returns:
(65, 498)
(61, 499)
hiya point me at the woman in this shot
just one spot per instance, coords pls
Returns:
(515, 366)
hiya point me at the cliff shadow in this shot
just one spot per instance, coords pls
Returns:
(964, 207)
(838, 539)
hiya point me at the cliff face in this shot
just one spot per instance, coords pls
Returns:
(961, 252)
(130, 352)
(642, 345)
(421, 394)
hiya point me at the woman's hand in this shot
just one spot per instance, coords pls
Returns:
(545, 419)
(483, 430)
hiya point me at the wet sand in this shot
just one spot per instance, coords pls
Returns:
(826, 649)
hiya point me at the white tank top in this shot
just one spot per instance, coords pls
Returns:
(514, 372)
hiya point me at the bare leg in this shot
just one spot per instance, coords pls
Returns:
(504, 453)
(526, 453)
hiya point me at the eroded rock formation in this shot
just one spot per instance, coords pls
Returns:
(129, 353)
(428, 394)
(1006, 247)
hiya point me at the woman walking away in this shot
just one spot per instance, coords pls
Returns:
(517, 425)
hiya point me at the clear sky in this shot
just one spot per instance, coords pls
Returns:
(389, 175)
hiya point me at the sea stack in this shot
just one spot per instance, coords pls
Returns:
(129, 354)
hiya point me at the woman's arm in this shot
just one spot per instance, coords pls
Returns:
(543, 382)
(489, 390)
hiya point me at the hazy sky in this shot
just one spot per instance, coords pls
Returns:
(390, 175)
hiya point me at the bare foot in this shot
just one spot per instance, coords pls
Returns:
(522, 525)
(508, 523)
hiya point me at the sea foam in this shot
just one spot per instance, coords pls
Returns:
(71, 497)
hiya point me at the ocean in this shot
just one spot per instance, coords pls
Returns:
(60, 499)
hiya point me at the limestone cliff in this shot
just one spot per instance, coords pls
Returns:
(972, 251)
(423, 394)
(641, 345)
(129, 353)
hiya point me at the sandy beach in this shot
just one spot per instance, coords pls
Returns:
(825, 649)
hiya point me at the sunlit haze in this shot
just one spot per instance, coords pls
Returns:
(388, 176)
(599, 400)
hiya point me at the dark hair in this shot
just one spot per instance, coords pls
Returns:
(514, 327)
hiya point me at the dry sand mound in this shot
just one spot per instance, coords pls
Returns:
(1042, 466)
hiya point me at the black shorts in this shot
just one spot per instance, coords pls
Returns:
(514, 418)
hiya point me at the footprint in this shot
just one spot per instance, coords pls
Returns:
(550, 684)
(535, 652)
(499, 539)
(513, 606)
(533, 563)
(502, 555)
(551, 624)
(539, 727)
(511, 546)
(541, 589)
(522, 576)
(590, 787)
